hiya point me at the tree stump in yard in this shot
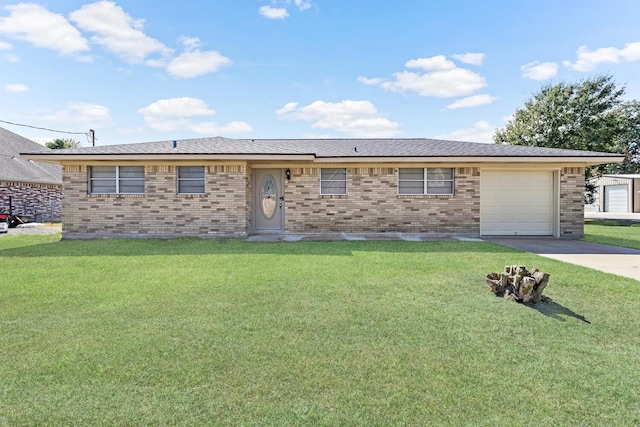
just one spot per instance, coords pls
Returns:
(518, 284)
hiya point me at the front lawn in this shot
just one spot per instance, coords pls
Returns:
(226, 332)
(613, 232)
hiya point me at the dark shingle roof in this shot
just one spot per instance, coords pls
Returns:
(13, 167)
(329, 148)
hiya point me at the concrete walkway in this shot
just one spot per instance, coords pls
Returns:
(631, 217)
(408, 237)
(610, 259)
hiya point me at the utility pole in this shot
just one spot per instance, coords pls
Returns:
(93, 137)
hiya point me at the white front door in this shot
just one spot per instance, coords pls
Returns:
(268, 200)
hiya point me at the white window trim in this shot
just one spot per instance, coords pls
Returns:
(179, 180)
(117, 179)
(425, 180)
(346, 180)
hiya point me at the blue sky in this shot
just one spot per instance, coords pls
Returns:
(144, 70)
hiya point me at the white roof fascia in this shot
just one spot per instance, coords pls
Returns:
(489, 159)
(53, 158)
(58, 158)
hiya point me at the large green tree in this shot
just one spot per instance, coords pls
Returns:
(628, 143)
(59, 143)
(589, 115)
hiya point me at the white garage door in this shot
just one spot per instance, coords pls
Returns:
(615, 198)
(516, 203)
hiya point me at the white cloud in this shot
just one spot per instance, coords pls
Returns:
(472, 101)
(193, 62)
(273, 12)
(40, 27)
(177, 107)
(175, 114)
(442, 79)
(481, 131)
(374, 82)
(441, 84)
(16, 87)
(435, 63)
(354, 118)
(539, 71)
(190, 43)
(196, 63)
(91, 115)
(113, 29)
(470, 58)
(288, 108)
(588, 60)
(302, 5)
(117, 32)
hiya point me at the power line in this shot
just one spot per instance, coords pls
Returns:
(47, 129)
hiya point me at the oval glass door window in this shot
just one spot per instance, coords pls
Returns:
(268, 197)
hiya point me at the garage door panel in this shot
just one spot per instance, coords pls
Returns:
(516, 203)
(616, 198)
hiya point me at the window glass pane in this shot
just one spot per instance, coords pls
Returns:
(133, 186)
(440, 187)
(103, 172)
(191, 179)
(333, 181)
(412, 174)
(333, 187)
(131, 171)
(439, 173)
(333, 174)
(411, 187)
(191, 187)
(103, 179)
(103, 187)
(194, 172)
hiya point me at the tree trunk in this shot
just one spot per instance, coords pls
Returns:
(519, 284)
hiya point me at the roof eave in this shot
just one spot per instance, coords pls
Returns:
(586, 160)
(62, 158)
(31, 181)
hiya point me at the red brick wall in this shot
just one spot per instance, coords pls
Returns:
(32, 199)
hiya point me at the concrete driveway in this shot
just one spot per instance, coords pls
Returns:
(610, 259)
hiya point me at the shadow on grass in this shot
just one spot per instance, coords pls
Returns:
(556, 311)
(30, 248)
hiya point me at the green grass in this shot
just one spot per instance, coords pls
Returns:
(226, 332)
(613, 232)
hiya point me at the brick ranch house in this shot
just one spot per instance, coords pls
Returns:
(35, 188)
(225, 187)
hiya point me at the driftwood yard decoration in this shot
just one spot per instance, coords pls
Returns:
(519, 284)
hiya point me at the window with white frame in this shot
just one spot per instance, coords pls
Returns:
(425, 181)
(116, 179)
(190, 179)
(333, 181)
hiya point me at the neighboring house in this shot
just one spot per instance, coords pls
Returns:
(33, 187)
(225, 187)
(616, 193)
